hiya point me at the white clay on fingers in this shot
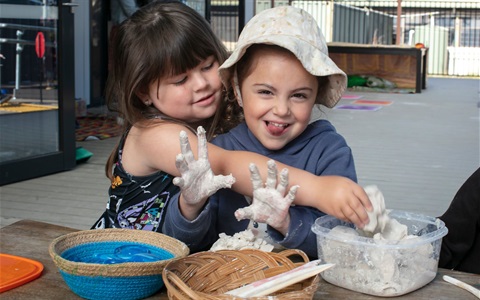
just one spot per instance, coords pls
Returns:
(202, 143)
(272, 174)
(282, 186)
(255, 177)
(185, 147)
(181, 164)
(292, 193)
(224, 181)
(178, 181)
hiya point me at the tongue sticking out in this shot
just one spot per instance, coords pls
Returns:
(275, 129)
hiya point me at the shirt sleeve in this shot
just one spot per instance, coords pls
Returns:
(300, 234)
(196, 234)
(337, 159)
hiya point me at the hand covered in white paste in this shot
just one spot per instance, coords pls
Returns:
(344, 199)
(270, 204)
(197, 181)
(381, 226)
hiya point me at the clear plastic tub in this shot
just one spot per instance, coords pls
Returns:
(380, 267)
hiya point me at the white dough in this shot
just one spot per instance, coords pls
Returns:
(373, 268)
(381, 226)
(241, 240)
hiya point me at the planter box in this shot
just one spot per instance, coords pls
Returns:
(405, 66)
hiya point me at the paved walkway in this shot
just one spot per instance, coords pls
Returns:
(418, 150)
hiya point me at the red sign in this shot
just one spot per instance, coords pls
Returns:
(40, 44)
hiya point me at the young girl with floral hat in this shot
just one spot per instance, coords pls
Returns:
(279, 70)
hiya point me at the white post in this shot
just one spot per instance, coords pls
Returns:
(18, 49)
(399, 23)
(431, 34)
(330, 13)
(410, 37)
(457, 36)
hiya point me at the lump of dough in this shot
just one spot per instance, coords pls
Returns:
(241, 240)
(378, 203)
(344, 231)
(380, 225)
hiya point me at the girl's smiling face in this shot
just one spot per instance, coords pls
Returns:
(192, 96)
(278, 96)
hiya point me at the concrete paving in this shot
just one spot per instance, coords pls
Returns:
(418, 150)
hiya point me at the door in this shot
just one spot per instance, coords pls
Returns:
(37, 109)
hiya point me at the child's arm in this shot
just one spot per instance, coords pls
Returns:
(334, 195)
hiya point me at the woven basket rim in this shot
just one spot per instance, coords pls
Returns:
(67, 241)
(192, 264)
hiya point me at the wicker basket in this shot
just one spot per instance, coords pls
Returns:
(130, 280)
(208, 275)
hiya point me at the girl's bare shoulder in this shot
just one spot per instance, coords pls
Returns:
(161, 131)
(151, 148)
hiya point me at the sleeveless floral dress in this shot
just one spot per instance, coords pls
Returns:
(136, 202)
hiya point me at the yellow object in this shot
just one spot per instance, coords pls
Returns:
(22, 107)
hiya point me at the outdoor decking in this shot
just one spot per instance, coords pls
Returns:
(418, 150)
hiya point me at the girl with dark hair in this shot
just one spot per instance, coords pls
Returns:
(165, 80)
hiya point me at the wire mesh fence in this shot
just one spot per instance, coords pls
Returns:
(450, 29)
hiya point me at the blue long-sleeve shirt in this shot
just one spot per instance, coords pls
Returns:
(319, 150)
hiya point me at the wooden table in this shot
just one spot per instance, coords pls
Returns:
(31, 239)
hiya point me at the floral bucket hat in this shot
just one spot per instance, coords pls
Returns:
(297, 31)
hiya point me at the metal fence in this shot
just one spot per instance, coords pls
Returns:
(450, 29)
